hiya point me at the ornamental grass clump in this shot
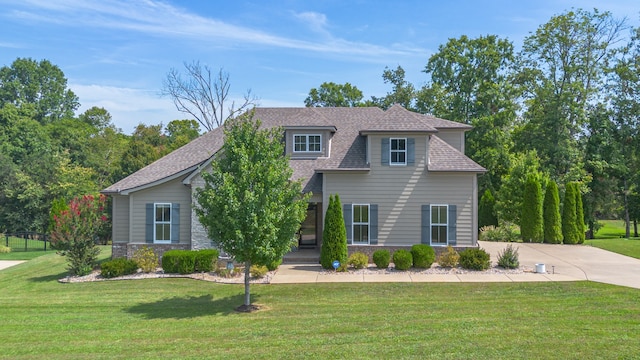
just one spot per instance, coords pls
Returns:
(508, 258)
(4, 249)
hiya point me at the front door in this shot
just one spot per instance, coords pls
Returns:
(308, 230)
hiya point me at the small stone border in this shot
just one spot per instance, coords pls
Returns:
(435, 269)
(159, 274)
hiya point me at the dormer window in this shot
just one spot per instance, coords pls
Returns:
(307, 143)
(398, 151)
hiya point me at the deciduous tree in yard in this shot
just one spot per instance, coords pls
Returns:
(334, 236)
(551, 215)
(75, 230)
(249, 206)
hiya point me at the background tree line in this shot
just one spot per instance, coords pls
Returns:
(564, 108)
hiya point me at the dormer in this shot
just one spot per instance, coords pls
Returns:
(308, 142)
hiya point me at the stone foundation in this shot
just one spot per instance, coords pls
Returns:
(370, 249)
(119, 250)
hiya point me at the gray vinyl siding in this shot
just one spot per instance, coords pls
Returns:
(325, 137)
(400, 192)
(170, 192)
(454, 138)
(120, 219)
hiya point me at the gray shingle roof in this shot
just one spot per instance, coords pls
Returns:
(348, 146)
(444, 157)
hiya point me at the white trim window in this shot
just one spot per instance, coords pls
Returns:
(360, 224)
(307, 143)
(439, 224)
(398, 151)
(162, 223)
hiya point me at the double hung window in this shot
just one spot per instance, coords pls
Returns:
(439, 224)
(398, 152)
(307, 143)
(162, 223)
(360, 224)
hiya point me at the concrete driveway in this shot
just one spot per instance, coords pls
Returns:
(575, 261)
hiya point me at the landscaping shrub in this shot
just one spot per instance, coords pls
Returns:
(382, 258)
(531, 222)
(486, 210)
(146, 259)
(449, 258)
(334, 237)
(580, 225)
(179, 261)
(274, 264)
(358, 260)
(206, 260)
(402, 259)
(569, 219)
(258, 271)
(551, 215)
(423, 256)
(475, 259)
(118, 267)
(508, 258)
(4, 249)
(505, 233)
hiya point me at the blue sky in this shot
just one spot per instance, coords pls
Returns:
(116, 53)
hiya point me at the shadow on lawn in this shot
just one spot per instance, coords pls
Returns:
(49, 278)
(189, 307)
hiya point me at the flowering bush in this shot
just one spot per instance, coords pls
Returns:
(74, 232)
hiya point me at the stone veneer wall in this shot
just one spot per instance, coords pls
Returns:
(199, 237)
(119, 250)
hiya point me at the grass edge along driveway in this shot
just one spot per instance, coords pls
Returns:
(188, 319)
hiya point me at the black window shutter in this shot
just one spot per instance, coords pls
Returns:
(373, 224)
(348, 221)
(453, 218)
(175, 223)
(426, 224)
(411, 151)
(385, 151)
(148, 233)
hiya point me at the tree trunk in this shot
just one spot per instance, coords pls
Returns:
(635, 228)
(626, 211)
(247, 277)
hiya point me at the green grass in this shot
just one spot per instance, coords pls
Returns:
(610, 238)
(190, 319)
(34, 249)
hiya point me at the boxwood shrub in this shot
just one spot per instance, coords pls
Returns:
(402, 259)
(118, 267)
(382, 258)
(423, 256)
(475, 259)
(206, 260)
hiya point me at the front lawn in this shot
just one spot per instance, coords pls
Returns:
(628, 247)
(190, 319)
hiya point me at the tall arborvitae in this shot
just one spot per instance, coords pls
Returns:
(580, 225)
(531, 223)
(334, 236)
(486, 210)
(551, 210)
(569, 226)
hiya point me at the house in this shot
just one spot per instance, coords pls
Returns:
(402, 178)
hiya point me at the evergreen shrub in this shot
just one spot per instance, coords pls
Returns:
(274, 264)
(402, 259)
(206, 260)
(381, 258)
(551, 215)
(531, 222)
(569, 219)
(146, 259)
(423, 256)
(475, 259)
(334, 236)
(486, 210)
(118, 267)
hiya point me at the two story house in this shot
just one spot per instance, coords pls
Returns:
(402, 177)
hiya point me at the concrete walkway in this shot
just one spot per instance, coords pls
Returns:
(562, 263)
(9, 263)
